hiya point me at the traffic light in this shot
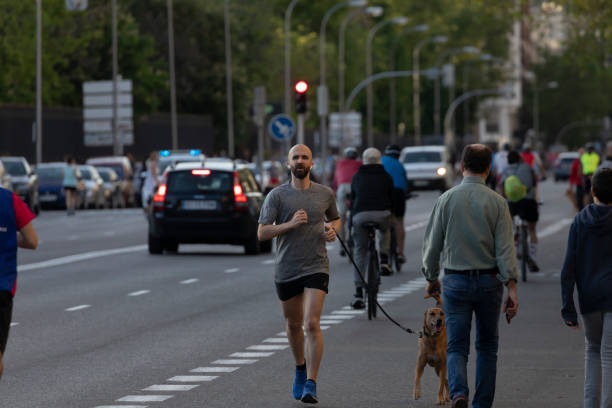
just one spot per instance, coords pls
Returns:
(300, 97)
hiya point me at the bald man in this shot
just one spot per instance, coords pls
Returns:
(302, 216)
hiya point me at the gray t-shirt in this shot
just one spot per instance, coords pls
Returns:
(300, 251)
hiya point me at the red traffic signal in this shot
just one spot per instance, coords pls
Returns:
(301, 87)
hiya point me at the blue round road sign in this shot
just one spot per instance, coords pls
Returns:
(281, 127)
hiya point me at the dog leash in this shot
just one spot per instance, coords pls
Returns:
(365, 285)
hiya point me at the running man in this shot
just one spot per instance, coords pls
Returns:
(390, 162)
(302, 216)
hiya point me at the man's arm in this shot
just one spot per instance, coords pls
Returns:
(505, 253)
(568, 280)
(269, 231)
(433, 244)
(27, 238)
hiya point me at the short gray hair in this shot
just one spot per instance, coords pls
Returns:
(371, 155)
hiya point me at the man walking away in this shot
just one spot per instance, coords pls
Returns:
(302, 216)
(588, 265)
(345, 170)
(590, 161)
(372, 201)
(397, 172)
(470, 235)
(16, 230)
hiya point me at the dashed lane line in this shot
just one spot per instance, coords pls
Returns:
(122, 406)
(214, 369)
(139, 293)
(193, 378)
(554, 228)
(232, 270)
(416, 226)
(268, 262)
(276, 340)
(189, 281)
(251, 354)
(144, 398)
(267, 347)
(79, 307)
(14, 324)
(236, 361)
(171, 387)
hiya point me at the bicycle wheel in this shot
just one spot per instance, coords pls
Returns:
(371, 279)
(524, 253)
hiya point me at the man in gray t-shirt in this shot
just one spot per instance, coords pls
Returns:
(302, 216)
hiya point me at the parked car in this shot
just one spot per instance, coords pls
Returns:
(92, 195)
(24, 180)
(50, 190)
(427, 167)
(563, 165)
(113, 193)
(123, 169)
(215, 203)
(5, 178)
(274, 175)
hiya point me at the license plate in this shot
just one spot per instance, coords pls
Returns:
(420, 183)
(199, 205)
(48, 197)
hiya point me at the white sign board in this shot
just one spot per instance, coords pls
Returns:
(76, 5)
(98, 113)
(345, 129)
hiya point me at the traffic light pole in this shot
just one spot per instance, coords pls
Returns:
(300, 128)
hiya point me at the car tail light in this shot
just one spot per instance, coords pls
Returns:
(159, 198)
(200, 172)
(240, 199)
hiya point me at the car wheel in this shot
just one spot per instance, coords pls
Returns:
(171, 245)
(155, 246)
(252, 246)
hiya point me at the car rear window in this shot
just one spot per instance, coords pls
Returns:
(50, 174)
(85, 174)
(116, 167)
(14, 167)
(184, 182)
(422, 157)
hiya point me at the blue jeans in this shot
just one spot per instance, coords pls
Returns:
(482, 296)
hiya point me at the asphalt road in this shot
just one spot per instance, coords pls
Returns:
(98, 322)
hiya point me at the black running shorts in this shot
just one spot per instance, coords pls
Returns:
(6, 312)
(399, 202)
(526, 208)
(287, 290)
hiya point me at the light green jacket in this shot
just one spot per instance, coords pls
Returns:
(470, 228)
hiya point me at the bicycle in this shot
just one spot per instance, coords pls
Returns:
(521, 232)
(373, 271)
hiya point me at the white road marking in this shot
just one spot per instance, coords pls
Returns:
(331, 321)
(347, 308)
(264, 347)
(553, 229)
(79, 307)
(337, 316)
(189, 281)
(193, 378)
(268, 262)
(324, 327)
(347, 312)
(234, 361)
(14, 324)
(119, 406)
(252, 354)
(214, 369)
(139, 293)
(144, 398)
(276, 340)
(416, 226)
(80, 257)
(232, 270)
(281, 334)
(171, 387)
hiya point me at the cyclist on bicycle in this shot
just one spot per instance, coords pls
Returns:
(345, 170)
(526, 207)
(397, 172)
(371, 202)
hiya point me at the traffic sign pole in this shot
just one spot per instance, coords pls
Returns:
(300, 128)
(259, 108)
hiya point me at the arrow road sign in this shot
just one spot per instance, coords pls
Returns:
(281, 128)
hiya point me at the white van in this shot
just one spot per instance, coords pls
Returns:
(427, 167)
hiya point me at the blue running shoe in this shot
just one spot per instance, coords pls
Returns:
(298, 383)
(309, 395)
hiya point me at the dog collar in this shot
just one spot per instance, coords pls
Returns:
(423, 332)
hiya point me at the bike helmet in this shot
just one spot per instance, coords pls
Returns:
(351, 152)
(392, 150)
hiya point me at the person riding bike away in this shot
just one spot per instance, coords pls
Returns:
(590, 161)
(526, 206)
(371, 202)
(345, 170)
(397, 172)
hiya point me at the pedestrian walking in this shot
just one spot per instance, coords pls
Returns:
(470, 235)
(588, 265)
(16, 230)
(70, 184)
(576, 182)
(302, 216)
(151, 180)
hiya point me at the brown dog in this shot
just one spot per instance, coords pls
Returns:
(432, 351)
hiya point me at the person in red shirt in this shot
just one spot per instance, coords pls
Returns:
(576, 180)
(16, 230)
(345, 170)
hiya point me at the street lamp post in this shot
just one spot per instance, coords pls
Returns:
(416, 96)
(451, 52)
(392, 86)
(466, 78)
(172, 76)
(536, 105)
(401, 20)
(228, 82)
(287, 99)
(38, 81)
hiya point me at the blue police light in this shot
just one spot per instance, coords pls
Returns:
(195, 152)
(164, 153)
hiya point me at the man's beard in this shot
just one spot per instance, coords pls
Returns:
(300, 172)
